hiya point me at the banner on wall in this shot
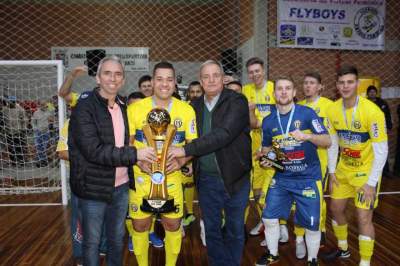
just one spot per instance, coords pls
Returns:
(133, 58)
(331, 24)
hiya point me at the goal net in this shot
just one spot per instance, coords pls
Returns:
(31, 114)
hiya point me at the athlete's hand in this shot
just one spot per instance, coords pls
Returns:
(144, 166)
(146, 154)
(174, 164)
(176, 152)
(367, 193)
(332, 182)
(79, 71)
(300, 136)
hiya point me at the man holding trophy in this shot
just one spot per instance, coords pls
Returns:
(159, 121)
(291, 135)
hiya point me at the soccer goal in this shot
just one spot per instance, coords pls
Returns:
(30, 120)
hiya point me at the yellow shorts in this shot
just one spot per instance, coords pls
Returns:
(187, 179)
(349, 183)
(142, 184)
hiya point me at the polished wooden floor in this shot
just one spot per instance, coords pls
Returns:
(40, 236)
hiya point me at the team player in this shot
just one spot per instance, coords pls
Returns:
(359, 127)
(259, 94)
(299, 131)
(183, 117)
(312, 87)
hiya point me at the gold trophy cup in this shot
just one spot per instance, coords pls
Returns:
(159, 134)
(275, 156)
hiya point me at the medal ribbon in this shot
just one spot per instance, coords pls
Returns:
(278, 115)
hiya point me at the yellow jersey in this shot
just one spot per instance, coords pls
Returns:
(74, 99)
(357, 129)
(263, 98)
(321, 106)
(62, 144)
(182, 116)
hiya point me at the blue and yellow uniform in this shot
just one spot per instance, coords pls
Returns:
(366, 124)
(301, 180)
(263, 98)
(183, 117)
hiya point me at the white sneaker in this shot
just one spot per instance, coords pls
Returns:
(257, 230)
(284, 234)
(202, 233)
(263, 243)
(300, 249)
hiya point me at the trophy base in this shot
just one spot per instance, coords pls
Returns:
(158, 205)
(275, 164)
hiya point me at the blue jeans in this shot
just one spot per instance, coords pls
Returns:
(97, 213)
(77, 232)
(224, 247)
(41, 142)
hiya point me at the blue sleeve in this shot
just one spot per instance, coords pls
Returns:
(266, 133)
(316, 123)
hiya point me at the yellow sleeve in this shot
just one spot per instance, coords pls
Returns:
(258, 116)
(377, 125)
(270, 90)
(62, 144)
(131, 119)
(74, 99)
(327, 121)
(191, 127)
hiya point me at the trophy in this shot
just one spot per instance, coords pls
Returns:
(275, 157)
(159, 134)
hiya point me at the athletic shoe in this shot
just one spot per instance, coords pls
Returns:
(257, 230)
(300, 249)
(202, 233)
(190, 218)
(263, 243)
(267, 259)
(155, 241)
(284, 234)
(130, 244)
(336, 253)
(314, 262)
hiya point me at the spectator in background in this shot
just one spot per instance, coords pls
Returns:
(15, 126)
(145, 85)
(194, 90)
(372, 94)
(41, 120)
(229, 76)
(235, 86)
(135, 96)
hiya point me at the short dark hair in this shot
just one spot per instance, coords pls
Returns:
(235, 82)
(136, 95)
(313, 74)
(165, 65)
(144, 79)
(288, 78)
(346, 69)
(371, 87)
(253, 61)
(193, 83)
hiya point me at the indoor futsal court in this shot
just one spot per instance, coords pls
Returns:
(45, 43)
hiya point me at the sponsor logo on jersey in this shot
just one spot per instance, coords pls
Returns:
(351, 153)
(317, 125)
(375, 130)
(295, 155)
(309, 193)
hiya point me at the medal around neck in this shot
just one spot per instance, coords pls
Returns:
(275, 157)
(159, 134)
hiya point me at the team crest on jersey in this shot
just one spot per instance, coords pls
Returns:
(357, 124)
(134, 207)
(178, 122)
(297, 124)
